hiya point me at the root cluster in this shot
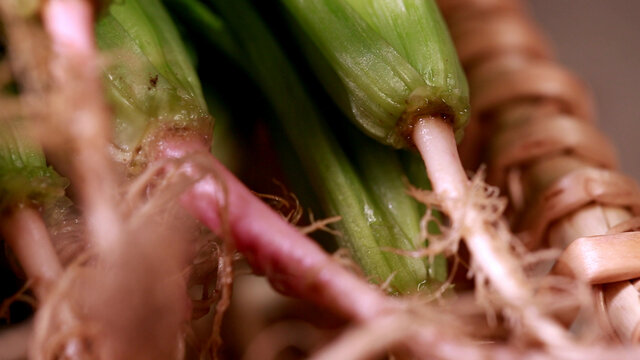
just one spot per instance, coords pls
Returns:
(142, 278)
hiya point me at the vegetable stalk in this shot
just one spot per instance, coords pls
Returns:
(178, 126)
(373, 220)
(399, 79)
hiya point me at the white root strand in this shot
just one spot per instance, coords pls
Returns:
(490, 252)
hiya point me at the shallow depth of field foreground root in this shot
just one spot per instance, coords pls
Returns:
(107, 304)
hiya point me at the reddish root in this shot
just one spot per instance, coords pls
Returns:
(293, 263)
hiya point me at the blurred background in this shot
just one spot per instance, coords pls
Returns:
(600, 42)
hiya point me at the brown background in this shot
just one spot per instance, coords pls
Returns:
(600, 41)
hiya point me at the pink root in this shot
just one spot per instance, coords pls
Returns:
(293, 263)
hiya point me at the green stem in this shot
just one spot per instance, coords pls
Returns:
(364, 226)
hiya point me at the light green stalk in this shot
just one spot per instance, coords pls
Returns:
(365, 226)
(394, 61)
(150, 80)
(25, 177)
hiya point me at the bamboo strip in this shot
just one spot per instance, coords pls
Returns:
(602, 259)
